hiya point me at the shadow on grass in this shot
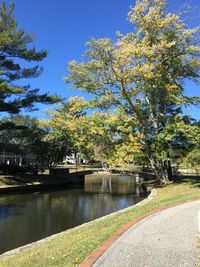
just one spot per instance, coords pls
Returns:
(193, 180)
(25, 179)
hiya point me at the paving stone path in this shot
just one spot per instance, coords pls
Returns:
(165, 239)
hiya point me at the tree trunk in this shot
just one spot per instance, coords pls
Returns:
(160, 172)
(169, 171)
(75, 160)
(157, 167)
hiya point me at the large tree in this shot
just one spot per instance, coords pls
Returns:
(51, 145)
(104, 137)
(143, 73)
(25, 135)
(14, 50)
(19, 131)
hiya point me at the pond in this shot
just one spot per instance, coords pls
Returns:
(25, 218)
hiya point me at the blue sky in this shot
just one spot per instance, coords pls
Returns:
(62, 27)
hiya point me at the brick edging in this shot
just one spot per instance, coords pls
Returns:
(93, 257)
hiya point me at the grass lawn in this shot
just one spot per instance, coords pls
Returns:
(73, 246)
(23, 179)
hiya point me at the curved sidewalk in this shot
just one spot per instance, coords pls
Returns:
(165, 239)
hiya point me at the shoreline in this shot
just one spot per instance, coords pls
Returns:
(38, 242)
(71, 248)
(72, 180)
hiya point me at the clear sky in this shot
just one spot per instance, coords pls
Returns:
(62, 27)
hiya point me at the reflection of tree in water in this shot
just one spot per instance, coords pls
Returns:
(39, 215)
(8, 210)
(106, 184)
(114, 184)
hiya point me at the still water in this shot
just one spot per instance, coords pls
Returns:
(25, 218)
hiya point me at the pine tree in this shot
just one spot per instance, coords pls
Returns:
(14, 50)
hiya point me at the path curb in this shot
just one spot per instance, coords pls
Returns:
(93, 257)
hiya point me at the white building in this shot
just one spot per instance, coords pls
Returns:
(73, 159)
(12, 158)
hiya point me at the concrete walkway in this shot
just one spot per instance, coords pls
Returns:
(165, 239)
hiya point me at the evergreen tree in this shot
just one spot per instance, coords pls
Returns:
(14, 50)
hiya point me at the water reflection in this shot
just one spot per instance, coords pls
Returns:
(29, 217)
(114, 184)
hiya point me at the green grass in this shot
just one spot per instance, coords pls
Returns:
(73, 246)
